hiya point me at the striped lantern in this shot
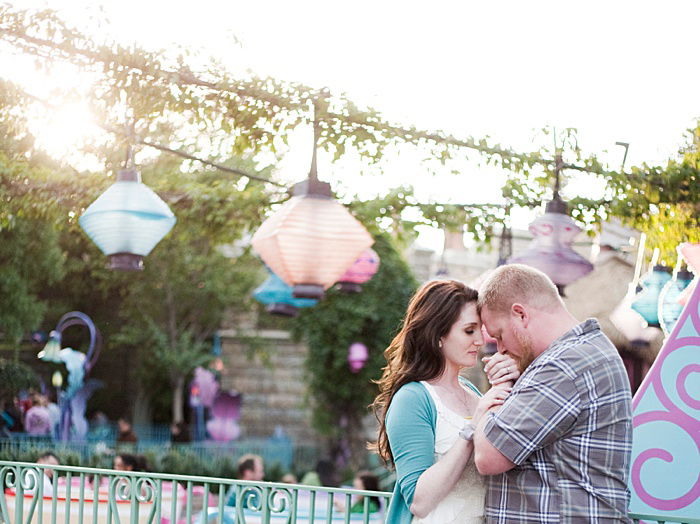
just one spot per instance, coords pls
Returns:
(311, 240)
(551, 251)
(127, 221)
(691, 255)
(278, 299)
(361, 271)
(669, 308)
(646, 303)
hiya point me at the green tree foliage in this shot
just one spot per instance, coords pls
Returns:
(340, 398)
(30, 256)
(14, 377)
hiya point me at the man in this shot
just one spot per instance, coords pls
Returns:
(250, 467)
(558, 450)
(47, 477)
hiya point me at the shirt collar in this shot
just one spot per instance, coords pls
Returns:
(583, 328)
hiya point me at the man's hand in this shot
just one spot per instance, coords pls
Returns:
(501, 368)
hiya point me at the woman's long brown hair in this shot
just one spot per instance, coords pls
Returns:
(415, 352)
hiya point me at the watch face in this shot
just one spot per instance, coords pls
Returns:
(467, 432)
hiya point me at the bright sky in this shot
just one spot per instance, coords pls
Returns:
(617, 71)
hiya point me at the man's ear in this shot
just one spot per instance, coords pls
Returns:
(520, 314)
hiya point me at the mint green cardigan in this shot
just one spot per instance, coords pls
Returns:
(410, 427)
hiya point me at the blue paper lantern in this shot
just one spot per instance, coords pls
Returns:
(669, 308)
(127, 221)
(278, 297)
(647, 301)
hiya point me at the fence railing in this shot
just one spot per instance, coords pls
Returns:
(286, 455)
(636, 518)
(39, 493)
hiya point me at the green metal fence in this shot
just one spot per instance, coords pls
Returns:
(37, 493)
(661, 520)
(89, 495)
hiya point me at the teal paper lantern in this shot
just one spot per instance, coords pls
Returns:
(646, 302)
(279, 299)
(669, 308)
(127, 221)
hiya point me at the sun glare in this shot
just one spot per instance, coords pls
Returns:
(64, 130)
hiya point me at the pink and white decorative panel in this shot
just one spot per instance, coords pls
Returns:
(665, 476)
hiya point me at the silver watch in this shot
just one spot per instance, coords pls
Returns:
(467, 431)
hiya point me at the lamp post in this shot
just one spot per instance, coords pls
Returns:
(312, 239)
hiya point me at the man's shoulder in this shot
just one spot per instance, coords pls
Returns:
(573, 355)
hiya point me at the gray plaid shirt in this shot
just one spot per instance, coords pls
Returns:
(567, 425)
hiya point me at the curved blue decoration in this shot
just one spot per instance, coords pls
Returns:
(646, 302)
(278, 297)
(128, 217)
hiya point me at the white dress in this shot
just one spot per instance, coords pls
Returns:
(464, 504)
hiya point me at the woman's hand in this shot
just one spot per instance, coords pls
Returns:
(501, 368)
(493, 397)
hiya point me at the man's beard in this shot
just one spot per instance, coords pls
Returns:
(527, 352)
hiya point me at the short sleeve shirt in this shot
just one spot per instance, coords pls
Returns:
(567, 425)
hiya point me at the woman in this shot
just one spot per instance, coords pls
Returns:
(427, 411)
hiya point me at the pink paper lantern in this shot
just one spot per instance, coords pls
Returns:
(357, 356)
(551, 251)
(362, 270)
(311, 240)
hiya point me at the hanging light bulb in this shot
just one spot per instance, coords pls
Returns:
(646, 303)
(669, 308)
(278, 298)
(362, 270)
(550, 250)
(312, 239)
(51, 350)
(358, 355)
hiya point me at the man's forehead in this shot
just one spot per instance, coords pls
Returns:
(490, 318)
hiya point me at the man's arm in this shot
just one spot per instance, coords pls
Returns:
(488, 460)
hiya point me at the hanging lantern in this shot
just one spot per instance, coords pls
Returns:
(691, 255)
(127, 221)
(51, 351)
(312, 239)
(278, 298)
(646, 303)
(357, 356)
(669, 308)
(629, 323)
(551, 251)
(362, 270)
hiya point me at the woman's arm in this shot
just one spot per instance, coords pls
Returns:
(437, 481)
